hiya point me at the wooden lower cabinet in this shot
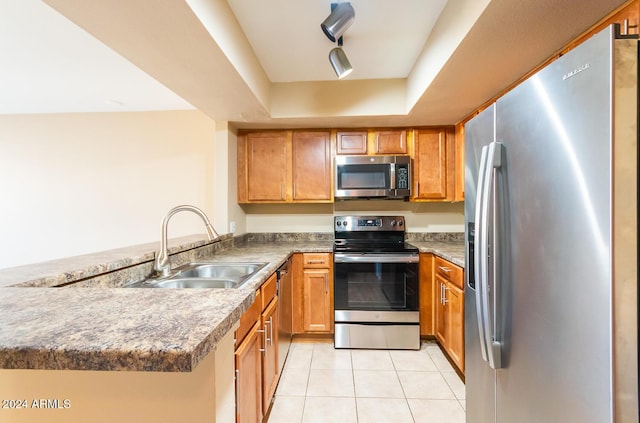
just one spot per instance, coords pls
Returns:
(248, 358)
(317, 313)
(270, 371)
(312, 293)
(256, 355)
(425, 292)
(448, 308)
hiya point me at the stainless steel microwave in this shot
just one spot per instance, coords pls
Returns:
(373, 176)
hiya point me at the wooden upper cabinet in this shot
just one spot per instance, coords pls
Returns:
(459, 163)
(284, 167)
(432, 165)
(391, 142)
(351, 142)
(262, 167)
(311, 166)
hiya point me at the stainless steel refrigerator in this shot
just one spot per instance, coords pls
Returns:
(551, 301)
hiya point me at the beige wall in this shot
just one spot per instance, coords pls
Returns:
(420, 217)
(77, 183)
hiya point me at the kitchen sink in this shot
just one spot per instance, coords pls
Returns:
(233, 271)
(204, 275)
(195, 283)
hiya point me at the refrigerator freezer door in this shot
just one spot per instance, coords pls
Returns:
(480, 378)
(556, 129)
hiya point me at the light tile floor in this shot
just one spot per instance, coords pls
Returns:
(322, 384)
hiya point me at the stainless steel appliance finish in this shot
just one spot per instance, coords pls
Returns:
(372, 176)
(375, 284)
(551, 303)
(285, 311)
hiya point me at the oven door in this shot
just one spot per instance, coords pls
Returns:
(376, 282)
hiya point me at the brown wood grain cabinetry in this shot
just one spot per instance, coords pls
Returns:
(313, 293)
(270, 371)
(390, 142)
(433, 165)
(264, 174)
(459, 164)
(284, 167)
(311, 169)
(351, 142)
(248, 360)
(449, 309)
(256, 355)
(426, 295)
(372, 142)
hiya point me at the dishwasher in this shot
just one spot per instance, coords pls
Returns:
(285, 311)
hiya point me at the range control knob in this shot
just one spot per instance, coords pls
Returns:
(393, 223)
(400, 223)
(344, 223)
(339, 223)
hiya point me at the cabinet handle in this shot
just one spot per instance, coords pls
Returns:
(315, 261)
(237, 386)
(444, 294)
(626, 27)
(271, 330)
(326, 283)
(267, 338)
(445, 269)
(264, 340)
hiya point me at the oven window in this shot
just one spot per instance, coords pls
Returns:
(376, 286)
(363, 177)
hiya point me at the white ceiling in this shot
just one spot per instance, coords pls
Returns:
(50, 65)
(264, 63)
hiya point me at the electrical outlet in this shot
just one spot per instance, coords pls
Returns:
(232, 227)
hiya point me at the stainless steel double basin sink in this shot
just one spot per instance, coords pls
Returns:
(205, 275)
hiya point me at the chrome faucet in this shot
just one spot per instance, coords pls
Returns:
(162, 265)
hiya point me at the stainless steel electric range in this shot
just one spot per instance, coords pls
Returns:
(375, 284)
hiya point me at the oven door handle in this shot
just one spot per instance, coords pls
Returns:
(375, 258)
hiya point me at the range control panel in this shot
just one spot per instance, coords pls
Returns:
(368, 223)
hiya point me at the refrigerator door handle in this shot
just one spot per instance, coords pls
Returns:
(481, 251)
(490, 313)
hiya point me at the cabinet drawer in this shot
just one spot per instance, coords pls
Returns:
(268, 289)
(249, 318)
(316, 260)
(450, 272)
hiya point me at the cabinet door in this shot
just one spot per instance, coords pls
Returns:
(270, 371)
(391, 142)
(249, 378)
(426, 293)
(317, 300)
(455, 325)
(352, 142)
(441, 311)
(266, 155)
(430, 164)
(311, 166)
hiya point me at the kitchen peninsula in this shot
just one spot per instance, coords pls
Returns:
(130, 351)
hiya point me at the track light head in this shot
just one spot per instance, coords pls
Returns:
(338, 21)
(340, 63)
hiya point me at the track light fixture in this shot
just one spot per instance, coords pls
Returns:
(340, 19)
(339, 62)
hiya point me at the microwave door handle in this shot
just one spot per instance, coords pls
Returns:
(392, 176)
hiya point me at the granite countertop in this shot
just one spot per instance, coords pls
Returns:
(448, 250)
(140, 329)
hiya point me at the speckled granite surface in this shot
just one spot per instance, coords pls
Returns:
(95, 324)
(448, 250)
(91, 326)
